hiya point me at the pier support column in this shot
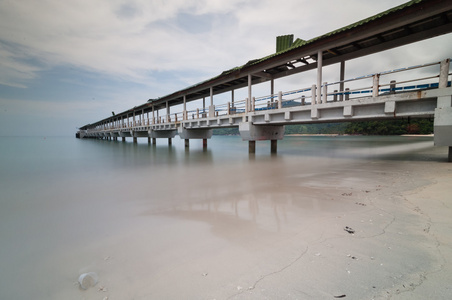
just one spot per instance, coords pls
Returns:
(443, 129)
(154, 141)
(187, 143)
(274, 146)
(449, 159)
(170, 142)
(251, 147)
(149, 140)
(204, 143)
(135, 140)
(252, 133)
(123, 138)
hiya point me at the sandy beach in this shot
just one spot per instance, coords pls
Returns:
(378, 232)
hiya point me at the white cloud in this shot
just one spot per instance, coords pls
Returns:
(186, 40)
(131, 38)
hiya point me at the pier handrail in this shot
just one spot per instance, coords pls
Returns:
(303, 96)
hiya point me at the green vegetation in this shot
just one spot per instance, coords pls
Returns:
(382, 127)
(325, 128)
(393, 127)
(226, 131)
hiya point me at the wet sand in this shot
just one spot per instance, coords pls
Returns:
(260, 237)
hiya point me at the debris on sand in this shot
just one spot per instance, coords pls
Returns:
(349, 230)
(88, 280)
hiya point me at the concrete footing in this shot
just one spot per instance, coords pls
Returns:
(443, 129)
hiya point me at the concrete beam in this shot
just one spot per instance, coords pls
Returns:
(186, 134)
(250, 132)
(162, 134)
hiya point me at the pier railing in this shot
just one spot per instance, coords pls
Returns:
(419, 77)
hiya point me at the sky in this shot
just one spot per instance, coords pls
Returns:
(64, 64)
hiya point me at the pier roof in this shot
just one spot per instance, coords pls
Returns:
(404, 24)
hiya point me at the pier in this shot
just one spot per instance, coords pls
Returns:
(420, 91)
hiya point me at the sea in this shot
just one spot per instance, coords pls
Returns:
(64, 201)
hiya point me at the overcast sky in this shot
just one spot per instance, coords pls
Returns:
(64, 64)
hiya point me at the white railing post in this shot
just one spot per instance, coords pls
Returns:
(376, 85)
(444, 73)
(314, 95)
(392, 86)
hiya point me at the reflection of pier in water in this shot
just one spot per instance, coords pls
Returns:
(418, 91)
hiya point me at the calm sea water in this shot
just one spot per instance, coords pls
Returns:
(59, 196)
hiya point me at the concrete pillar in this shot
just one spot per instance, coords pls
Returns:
(184, 117)
(342, 78)
(204, 143)
(203, 106)
(232, 97)
(313, 94)
(167, 112)
(211, 96)
(375, 85)
(249, 87)
(187, 143)
(274, 146)
(272, 89)
(153, 115)
(149, 140)
(170, 142)
(123, 138)
(444, 73)
(251, 146)
(319, 75)
(392, 87)
(154, 141)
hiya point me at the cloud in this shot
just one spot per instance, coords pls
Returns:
(132, 39)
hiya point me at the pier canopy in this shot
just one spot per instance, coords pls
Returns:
(407, 23)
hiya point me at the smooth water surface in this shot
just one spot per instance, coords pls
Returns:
(68, 204)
